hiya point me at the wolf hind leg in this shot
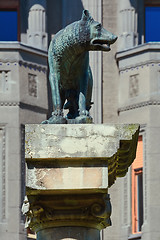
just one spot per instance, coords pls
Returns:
(89, 89)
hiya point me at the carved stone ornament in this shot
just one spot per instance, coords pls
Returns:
(26, 211)
(56, 210)
(32, 85)
(133, 86)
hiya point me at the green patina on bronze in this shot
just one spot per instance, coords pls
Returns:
(70, 75)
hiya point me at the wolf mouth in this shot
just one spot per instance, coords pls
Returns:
(101, 43)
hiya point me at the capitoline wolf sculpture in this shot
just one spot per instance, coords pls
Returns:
(70, 74)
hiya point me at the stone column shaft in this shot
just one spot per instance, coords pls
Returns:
(79, 233)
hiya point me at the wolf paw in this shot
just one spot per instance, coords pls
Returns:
(84, 113)
(83, 119)
(56, 118)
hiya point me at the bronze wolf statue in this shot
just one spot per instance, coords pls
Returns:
(70, 75)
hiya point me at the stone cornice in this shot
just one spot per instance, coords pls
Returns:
(33, 66)
(24, 106)
(139, 65)
(14, 59)
(9, 104)
(118, 155)
(139, 105)
(13, 62)
(118, 165)
(22, 47)
(138, 49)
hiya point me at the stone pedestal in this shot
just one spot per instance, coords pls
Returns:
(69, 171)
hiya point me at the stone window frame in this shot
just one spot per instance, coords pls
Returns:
(140, 9)
(126, 194)
(10, 5)
(149, 3)
(137, 170)
(152, 3)
(128, 189)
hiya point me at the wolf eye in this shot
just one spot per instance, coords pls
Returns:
(98, 26)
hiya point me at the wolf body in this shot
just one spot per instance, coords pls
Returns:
(70, 74)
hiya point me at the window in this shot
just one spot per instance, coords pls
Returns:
(137, 189)
(152, 16)
(148, 19)
(9, 20)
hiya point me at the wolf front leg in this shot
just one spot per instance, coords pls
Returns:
(82, 104)
(57, 100)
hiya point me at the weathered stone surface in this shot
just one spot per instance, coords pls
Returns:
(80, 152)
(48, 209)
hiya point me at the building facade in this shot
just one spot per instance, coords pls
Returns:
(126, 90)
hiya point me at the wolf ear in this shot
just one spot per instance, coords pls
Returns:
(86, 16)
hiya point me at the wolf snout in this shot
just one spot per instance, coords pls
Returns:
(113, 39)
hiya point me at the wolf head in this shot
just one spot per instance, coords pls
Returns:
(100, 38)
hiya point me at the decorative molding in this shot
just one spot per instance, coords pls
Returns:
(52, 210)
(4, 80)
(32, 85)
(139, 65)
(33, 66)
(133, 86)
(7, 62)
(8, 104)
(139, 105)
(3, 174)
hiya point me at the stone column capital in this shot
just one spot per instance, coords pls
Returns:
(90, 210)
